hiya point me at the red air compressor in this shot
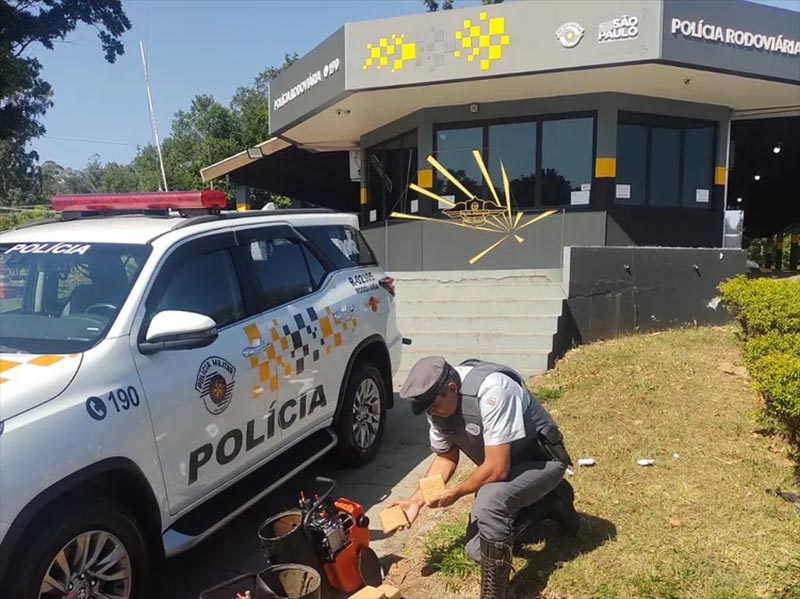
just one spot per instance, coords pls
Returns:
(339, 532)
(331, 536)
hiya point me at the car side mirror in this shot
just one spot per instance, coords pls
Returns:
(175, 330)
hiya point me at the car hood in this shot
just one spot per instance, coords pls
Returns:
(28, 380)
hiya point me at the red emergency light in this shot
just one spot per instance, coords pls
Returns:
(206, 199)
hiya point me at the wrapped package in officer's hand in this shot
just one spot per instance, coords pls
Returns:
(431, 487)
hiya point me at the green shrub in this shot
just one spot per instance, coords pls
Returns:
(773, 342)
(777, 377)
(10, 219)
(763, 305)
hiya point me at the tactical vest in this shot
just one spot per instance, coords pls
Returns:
(464, 429)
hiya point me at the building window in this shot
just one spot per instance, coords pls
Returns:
(567, 151)
(515, 145)
(454, 151)
(545, 159)
(663, 161)
(631, 163)
(392, 168)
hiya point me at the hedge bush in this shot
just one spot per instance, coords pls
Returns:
(769, 312)
(777, 377)
(763, 305)
(771, 343)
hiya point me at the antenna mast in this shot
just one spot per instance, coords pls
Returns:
(153, 125)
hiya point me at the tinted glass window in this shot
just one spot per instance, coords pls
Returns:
(205, 284)
(515, 145)
(344, 246)
(631, 163)
(282, 271)
(454, 151)
(698, 163)
(566, 159)
(316, 269)
(62, 298)
(665, 163)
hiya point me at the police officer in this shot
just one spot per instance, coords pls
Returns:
(485, 410)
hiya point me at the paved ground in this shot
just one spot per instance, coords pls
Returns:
(234, 550)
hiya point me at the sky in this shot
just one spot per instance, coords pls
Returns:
(193, 47)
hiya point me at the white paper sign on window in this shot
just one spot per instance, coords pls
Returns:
(414, 206)
(623, 192)
(579, 198)
(586, 186)
(701, 195)
(373, 216)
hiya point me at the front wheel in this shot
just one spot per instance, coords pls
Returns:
(94, 551)
(363, 416)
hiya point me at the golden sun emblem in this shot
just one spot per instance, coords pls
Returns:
(474, 213)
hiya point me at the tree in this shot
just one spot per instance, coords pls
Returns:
(251, 104)
(24, 95)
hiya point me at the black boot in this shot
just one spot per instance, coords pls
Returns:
(495, 568)
(563, 509)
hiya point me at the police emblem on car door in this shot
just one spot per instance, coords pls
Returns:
(209, 427)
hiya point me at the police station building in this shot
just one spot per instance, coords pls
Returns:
(586, 141)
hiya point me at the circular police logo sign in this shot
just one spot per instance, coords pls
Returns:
(570, 34)
(215, 380)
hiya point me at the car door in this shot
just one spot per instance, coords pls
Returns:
(210, 406)
(311, 322)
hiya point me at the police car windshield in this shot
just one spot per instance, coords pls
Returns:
(62, 297)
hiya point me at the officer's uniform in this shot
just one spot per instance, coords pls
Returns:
(495, 408)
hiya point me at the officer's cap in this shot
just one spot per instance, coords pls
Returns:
(424, 381)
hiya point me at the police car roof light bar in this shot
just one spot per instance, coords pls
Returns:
(212, 200)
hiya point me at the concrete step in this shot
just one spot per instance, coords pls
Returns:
(469, 341)
(553, 275)
(479, 290)
(468, 308)
(526, 362)
(499, 325)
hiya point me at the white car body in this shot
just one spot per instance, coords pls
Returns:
(187, 424)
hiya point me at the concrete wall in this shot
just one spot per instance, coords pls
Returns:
(615, 291)
(413, 246)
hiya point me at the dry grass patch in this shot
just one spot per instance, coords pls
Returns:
(697, 526)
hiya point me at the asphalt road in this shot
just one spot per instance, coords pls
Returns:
(235, 549)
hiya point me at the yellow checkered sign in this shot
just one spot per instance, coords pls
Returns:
(480, 41)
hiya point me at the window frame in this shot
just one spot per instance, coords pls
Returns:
(539, 120)
(380, 148)
(226, 242)
(245, 237)
(682, 124)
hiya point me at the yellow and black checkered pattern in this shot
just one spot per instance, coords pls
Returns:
(394, 51)
(482, 41)
(292, 347)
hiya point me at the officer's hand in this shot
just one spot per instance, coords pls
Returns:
(409, 507)
(445, 499)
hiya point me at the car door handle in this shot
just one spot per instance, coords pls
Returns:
(345, 313)
(252, 350)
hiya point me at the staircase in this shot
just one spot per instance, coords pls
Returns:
(505, 316)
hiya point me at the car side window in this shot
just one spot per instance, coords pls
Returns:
(343, 245)
(203, 283)
(285, 270)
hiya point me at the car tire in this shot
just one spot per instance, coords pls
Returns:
(362, 419)
(103, 526)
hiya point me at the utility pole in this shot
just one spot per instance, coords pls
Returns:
(153, 125)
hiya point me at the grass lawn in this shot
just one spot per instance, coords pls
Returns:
(695, 526)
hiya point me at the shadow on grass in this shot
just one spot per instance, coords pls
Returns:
(444, 552)
(558, 549)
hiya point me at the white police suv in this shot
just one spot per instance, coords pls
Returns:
(164, 365)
